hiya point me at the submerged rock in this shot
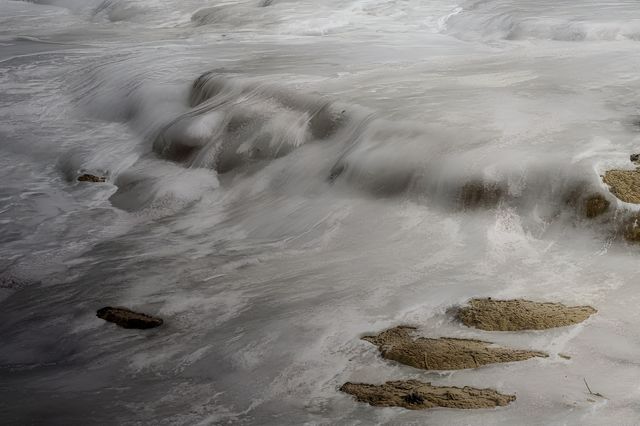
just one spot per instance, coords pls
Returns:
(624, 184)
(11, 282)
(586, 201)
(514, 315)
(631, 229)
(399, 344)
(478, 194)
(91, 178)
(595, 205)
(128, 319)
(416, 395)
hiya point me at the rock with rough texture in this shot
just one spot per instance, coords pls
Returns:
(416, 395)
(587, 202)
(399, 344)
(595, 205)
(635, 158)
(631, 229)
(515, 315)
(91, 178)
(624, 184)
(128, 319)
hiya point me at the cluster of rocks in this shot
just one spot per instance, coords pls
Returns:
(402, 344)
(625, 185)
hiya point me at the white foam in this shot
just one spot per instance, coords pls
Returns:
(284, 177)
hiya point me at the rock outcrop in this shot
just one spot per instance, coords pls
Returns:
(624, 184)
(416, 395)
(515, 315)
(399, 344)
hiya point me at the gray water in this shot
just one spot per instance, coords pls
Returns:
(284, 177)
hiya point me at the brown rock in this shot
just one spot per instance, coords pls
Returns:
(595, 205)
(91, 178)
(514, 315)
(631, 229)
(128, 319)
(399, 344)
(416, 395)
(624, 184)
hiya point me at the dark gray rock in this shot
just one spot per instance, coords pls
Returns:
(128, 319)
(91, 178)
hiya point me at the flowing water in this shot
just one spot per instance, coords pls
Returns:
(285, 176)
